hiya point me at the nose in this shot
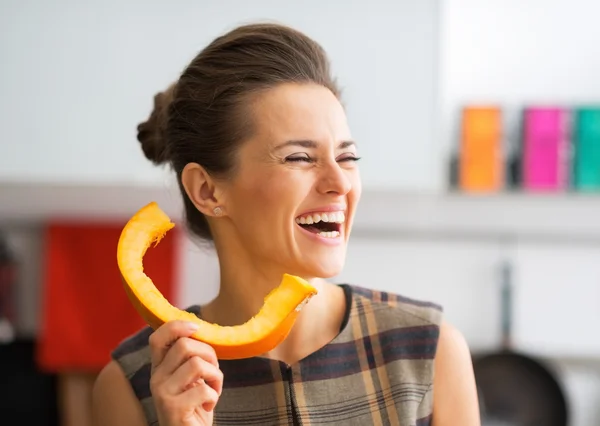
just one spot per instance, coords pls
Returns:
(334, 179)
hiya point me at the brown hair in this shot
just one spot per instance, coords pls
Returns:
(202, 117)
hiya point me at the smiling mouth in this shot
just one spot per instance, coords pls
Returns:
(328, 225)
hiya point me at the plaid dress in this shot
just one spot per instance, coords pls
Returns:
(377, 371)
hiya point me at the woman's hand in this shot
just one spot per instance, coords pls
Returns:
(186, 381)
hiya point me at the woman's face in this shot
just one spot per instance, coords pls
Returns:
(297, 185)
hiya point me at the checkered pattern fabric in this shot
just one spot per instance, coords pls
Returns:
(377, 371)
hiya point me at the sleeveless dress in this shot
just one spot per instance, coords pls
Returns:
(377, 371)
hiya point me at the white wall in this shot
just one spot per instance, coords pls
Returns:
(77, 78)
(513, 52)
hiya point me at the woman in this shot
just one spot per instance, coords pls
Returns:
(258, 138)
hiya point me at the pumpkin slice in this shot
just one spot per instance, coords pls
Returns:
(258, 335)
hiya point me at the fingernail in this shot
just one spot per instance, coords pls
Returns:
(191, 326)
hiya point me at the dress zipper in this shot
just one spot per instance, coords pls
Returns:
(296, 420)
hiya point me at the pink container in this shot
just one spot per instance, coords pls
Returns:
(545, 149)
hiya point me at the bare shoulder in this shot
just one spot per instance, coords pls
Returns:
(453, 349)
(454, 389)
(113, 400)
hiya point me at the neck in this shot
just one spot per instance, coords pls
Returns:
(246, 281)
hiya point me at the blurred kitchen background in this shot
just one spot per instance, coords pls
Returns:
(479, 126)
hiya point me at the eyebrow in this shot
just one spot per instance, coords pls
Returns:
(306, 143)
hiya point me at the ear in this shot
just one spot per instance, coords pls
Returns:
(202, 189)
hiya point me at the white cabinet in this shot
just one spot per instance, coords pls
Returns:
(557, 299)
(461, 276)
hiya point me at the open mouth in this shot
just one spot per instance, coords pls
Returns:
(328, 225)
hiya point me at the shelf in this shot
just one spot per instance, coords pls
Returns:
(34, 202)
(566, 217)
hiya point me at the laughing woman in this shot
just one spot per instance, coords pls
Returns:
(258, 138)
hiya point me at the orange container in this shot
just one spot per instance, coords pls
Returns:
(481, 165)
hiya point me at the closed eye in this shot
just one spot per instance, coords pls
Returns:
(349, 158)
(299, 158)
(307, 159)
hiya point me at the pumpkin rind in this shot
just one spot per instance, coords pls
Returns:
(262, 333)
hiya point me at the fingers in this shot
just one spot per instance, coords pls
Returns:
(165, 336)
(201, 395)
(194, 372)
(185, 379)
(185, 348)
(178, 361)
(185, 406)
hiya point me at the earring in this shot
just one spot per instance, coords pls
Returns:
(217, 211)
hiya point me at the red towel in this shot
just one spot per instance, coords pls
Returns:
(86, 312)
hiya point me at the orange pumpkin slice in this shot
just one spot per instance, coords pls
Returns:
(262, 333)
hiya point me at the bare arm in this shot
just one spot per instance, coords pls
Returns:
(113, 400)
(454, 391)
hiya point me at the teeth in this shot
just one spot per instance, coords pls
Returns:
(333, 217)
(332, 234)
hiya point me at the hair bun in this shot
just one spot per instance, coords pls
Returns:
(151, 133)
